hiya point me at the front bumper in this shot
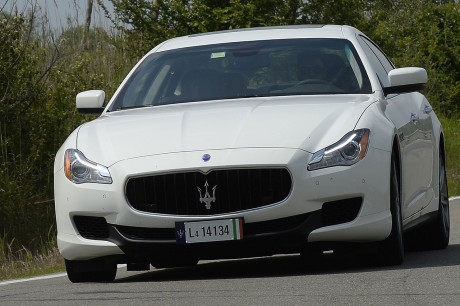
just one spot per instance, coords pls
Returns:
(310, 190)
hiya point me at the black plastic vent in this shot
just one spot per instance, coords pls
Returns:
(341, 211)
(144, 233)
(92, 227)
(275, 226)
(249, 229)
(220, 191)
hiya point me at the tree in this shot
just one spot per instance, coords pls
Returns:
(22, 179)
(147, 23)
(349, 12)
(89, 10)
(424, 33)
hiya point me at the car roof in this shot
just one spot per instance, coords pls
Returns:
(252, 34)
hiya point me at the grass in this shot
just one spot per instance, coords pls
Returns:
(24, 263)
(452, 134)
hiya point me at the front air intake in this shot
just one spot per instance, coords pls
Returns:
(92, 227)
(340, 211)
(218, 192)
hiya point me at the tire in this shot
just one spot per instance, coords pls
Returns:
(435, 235)
(441, 228)
(393, 247)
(81, 271)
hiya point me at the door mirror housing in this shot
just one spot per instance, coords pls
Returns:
(91, 102)
(406, 79)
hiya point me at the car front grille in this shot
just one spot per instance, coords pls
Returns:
(220, 191)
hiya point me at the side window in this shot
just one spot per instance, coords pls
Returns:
(387, 64)
(378, 67)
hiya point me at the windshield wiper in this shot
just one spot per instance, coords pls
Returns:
(132, 107)
(252, 95)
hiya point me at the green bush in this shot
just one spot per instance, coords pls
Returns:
(39, 79)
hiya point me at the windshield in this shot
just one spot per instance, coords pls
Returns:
(245, 69)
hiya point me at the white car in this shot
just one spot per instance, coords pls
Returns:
(252, 142)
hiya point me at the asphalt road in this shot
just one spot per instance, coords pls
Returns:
(425, 278)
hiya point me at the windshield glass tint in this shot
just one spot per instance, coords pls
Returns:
(245, 69)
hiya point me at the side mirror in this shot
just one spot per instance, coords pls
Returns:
(91, 102)
(407, 79)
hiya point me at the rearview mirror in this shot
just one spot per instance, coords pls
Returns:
(91, 102)
(407, 79)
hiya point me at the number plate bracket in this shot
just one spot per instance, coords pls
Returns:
(209, 231)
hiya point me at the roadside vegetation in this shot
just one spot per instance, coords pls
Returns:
(42, 70)
(452, 132)
(24, 262)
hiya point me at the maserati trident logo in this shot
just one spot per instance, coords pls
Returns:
(207, 199)
(180, 233)
(206, 157)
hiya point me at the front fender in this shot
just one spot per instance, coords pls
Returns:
(382, 129)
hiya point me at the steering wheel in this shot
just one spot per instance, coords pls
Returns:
(312, 81)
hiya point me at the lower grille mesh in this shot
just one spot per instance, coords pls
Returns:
(145, 233)
(249, 229)
(341, 211)
(92, 227)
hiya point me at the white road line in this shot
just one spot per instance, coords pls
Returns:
(21, 280)
(55, 275)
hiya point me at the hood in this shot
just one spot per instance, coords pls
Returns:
(276, 122)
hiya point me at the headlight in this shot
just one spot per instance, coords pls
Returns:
(80, 170)
(347, 151)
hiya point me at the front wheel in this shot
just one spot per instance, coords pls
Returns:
(80, 271)
(438, 235)
(435, 235)
(393, 246)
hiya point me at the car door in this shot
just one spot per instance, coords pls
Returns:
(409, 112)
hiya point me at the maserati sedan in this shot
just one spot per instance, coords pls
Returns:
(252, 142)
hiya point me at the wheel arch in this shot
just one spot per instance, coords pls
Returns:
(396, 154)
(442, 154)
(442, 146)
(439, 151)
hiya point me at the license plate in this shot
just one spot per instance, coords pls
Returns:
(208, 231)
